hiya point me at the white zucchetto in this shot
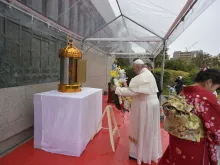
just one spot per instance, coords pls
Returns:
(138, 62)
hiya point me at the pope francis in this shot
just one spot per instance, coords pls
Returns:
(145, 138)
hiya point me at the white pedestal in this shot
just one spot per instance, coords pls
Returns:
(65, 122)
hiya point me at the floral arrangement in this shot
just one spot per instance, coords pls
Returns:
(119, 79)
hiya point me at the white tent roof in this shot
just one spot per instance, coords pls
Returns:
(142, 26)
(122, 26)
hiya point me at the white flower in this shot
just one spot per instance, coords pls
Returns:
(123, 80)
(120, 99)
(116, 82)
(126, 104)
(122, 71)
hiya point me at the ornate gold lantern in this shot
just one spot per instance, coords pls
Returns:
(72, 68)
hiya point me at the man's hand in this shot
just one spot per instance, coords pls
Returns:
(113, 88)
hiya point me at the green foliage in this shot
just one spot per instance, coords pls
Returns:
(174, 65)
(123, 62)
(171, 75)
(191, 67)
(165, 91)
(116, 100)
(166, 78)
(175, 68)
(188, 80)
(193, 74)
(206, 60)
(201, 59)
(217, 67)
(159, 59)
(179, 65)
(130, 73)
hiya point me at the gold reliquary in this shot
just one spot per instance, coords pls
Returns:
(72, 68)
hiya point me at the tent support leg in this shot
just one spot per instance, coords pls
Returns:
(163, 64)
(161, 79)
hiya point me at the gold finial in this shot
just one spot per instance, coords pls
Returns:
(70, 50)
(70, 38)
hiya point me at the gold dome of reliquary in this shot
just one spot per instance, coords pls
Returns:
(70, 51)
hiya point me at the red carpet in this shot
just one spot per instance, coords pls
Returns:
(98, 151)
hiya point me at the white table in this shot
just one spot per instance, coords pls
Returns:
(65, 122)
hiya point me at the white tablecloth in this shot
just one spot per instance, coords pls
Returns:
(65, 122)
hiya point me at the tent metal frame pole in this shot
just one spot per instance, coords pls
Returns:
(125, 25)
(82, 43)
(119, 7)
(152, 39)
(99, 50)
(147, 54)
(188, 6)
(101, 28)
(133, 56)
(96, 48)
(158, 49)
(89, 48)
(84, 52)
(143, 27)
(69, 8)
(113, 50)
(153, 63)
(106, 71)
(163, 64)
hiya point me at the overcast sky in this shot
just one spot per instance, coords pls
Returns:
(205, 31)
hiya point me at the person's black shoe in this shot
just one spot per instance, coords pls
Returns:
(132, 158)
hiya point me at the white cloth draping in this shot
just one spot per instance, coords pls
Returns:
(65, 122)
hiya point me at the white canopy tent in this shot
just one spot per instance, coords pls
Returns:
(124, 28)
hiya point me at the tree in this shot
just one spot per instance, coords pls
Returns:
(174, 65)
(201, 59)
(123, 62)
(206, 60)
(159, 59)
(179, 65)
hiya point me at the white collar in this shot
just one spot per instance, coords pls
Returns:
(143, 70)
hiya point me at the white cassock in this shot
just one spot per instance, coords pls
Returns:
(144, 135)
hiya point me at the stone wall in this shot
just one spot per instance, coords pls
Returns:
(29, 64)
(16, 103)
(16, 113)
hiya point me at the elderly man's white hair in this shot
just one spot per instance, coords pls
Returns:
(138, 62)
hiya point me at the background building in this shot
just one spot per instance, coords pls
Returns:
(186, 56)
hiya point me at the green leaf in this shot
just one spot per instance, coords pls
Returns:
(116, 101)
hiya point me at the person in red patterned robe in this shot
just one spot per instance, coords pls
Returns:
(207, 108)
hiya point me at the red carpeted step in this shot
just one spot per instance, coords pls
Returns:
(98, 151)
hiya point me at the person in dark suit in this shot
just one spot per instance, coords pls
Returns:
(157, 78)
(179, 84)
